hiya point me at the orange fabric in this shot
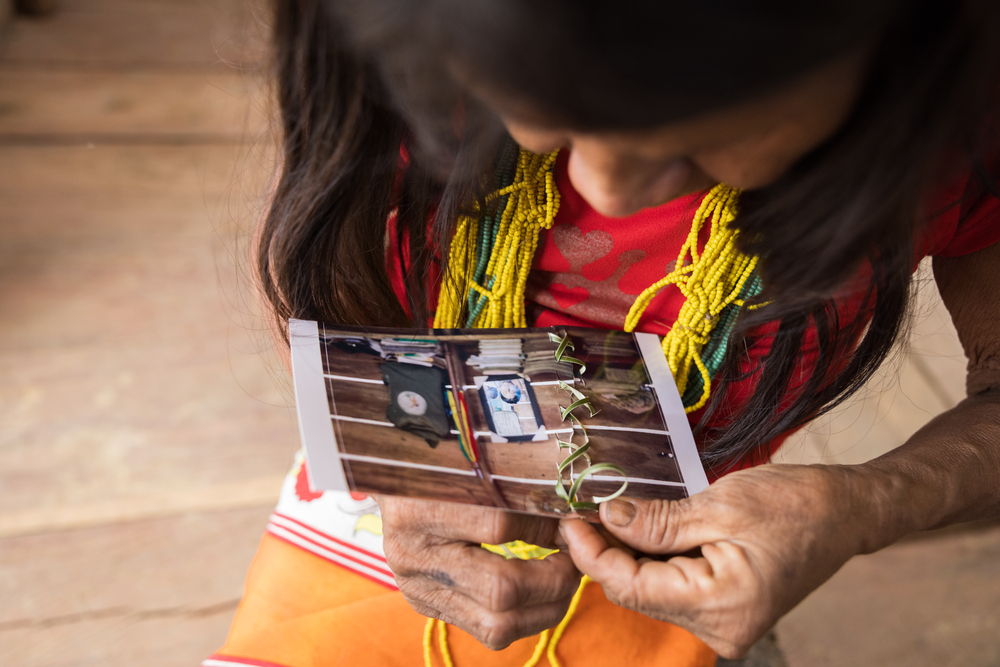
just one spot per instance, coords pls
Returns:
(301, 611)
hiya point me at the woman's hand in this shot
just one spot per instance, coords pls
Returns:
(433, 550)
(768, 536)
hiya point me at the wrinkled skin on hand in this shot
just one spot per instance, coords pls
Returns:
(433, 550)
(767, 537)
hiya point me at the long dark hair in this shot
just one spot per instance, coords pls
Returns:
(374, 123)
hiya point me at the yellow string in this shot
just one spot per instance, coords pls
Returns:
(427, 644)
(547, 642)
(536, 656)
(442, 628)
(519, 549)
(564, 623)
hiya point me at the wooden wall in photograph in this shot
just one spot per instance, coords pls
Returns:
(353, 364)
(524, 497)
(551, 397)
(643, 455)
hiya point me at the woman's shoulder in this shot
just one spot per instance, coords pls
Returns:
(962, 213)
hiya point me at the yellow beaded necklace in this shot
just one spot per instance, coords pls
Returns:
(716, 281)
(531, 206)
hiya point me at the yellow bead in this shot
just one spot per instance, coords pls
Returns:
(709, 278)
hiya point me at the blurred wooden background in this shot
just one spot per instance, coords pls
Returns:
(147, 422)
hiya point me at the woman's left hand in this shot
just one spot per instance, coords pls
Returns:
(768, 536)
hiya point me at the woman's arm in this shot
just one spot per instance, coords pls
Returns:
(770, 535)
(949, 471)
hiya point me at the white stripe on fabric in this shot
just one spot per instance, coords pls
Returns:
(359, 553)
(330, 555)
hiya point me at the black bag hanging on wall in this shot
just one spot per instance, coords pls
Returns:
(416, 400)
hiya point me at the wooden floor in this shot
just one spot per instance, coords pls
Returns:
(147, 422)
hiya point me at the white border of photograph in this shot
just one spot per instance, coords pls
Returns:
(685, 450)
(322, 453)
(326, 461)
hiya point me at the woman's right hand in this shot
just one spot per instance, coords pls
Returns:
(433, 549)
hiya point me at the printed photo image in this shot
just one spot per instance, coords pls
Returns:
(544, 421)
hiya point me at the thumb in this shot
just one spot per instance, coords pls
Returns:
(657, 526)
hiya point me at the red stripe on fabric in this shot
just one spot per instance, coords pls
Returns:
(333, 562)
(243, 661)
(333, 549)
(331, 537)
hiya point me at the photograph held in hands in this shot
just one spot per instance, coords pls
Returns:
(542, 421)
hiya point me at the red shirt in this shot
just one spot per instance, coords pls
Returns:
(589, 268)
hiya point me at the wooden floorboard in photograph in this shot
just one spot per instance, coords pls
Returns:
(640, 454)
(358, 365)
(361, 400)
(390, 442)
(397, 480)
(534, 460)
(528, 497)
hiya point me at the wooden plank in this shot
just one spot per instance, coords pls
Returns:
(45, 105)
(534, 460)
(84, 596)
(376, 478)
(359, 400)
(130, 33)
(523, 497)
(926, 602)
(641, 454)
(389, 442)
(139, 377)
(168, 640)
(551, 397)
(131, 565)
(356, 365)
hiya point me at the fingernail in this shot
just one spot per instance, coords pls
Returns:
(619, 513)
